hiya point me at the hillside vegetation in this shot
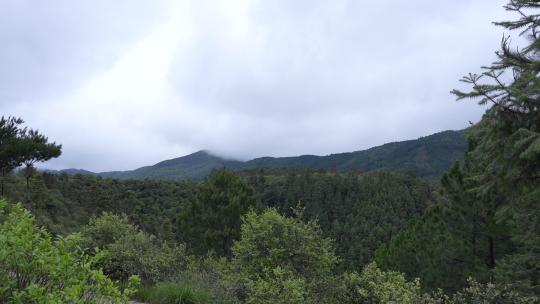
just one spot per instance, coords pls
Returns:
(426, 157)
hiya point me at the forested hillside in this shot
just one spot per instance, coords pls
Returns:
(427, 157)
(359, 211)
(194, 166)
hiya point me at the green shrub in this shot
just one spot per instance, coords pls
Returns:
(373, 285)
(34, 268)
(212, 274)
(491, 293)
(130, 251)
(281, 260)
(172, 293)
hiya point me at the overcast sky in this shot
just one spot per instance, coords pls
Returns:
(125, 83)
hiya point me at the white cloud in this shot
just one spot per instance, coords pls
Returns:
(129, 83)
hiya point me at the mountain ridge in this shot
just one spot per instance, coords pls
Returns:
(427, 156)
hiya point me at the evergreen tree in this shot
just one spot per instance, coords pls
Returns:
(35, 147)
(10, 132)
(19, 145)
(212, 219)
(508, 143)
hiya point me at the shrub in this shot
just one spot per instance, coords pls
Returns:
(280, 259)
(212, 274)
(130, 251)
(34, 268)
(172, 293)
(490, 293)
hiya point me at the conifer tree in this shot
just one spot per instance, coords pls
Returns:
(212, 219)
(35, 147)
(10, 131)
(508, 143)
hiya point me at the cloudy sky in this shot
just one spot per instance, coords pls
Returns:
(128, 83)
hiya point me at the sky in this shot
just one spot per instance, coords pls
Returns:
(127, 83)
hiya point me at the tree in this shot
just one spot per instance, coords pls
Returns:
(282, 259)
(212, 219)
(508, 143)
(35, 147)
(10, 132)
(359, 212)
(454, 239)
(20, 145)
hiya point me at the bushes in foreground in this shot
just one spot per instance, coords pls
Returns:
(276, 260)
(35, 268)
(285, 260)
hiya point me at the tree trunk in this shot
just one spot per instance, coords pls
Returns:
(2, 181)
(28, 188)
(474, 238)
(491, 253)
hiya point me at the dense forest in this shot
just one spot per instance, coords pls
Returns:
(291, 235)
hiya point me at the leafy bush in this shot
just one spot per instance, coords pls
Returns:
(490, 293)
(34, 268)
(130, 251)
(212, 274)
(278, 286)
(281, 260)
(373, 285)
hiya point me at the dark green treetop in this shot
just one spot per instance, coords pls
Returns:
(212, 219)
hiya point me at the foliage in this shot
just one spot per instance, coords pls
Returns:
(10, 132)
(373, 285)
(64, 203)
(20, 146)
(278, 286)
(508, 144)
(487, 219)
(448, 243)
(172, 293)
(490, 293)
(360, 212)
(37, 269)
(211, 221)
(129, 251)
(211, 274)
(281, 259)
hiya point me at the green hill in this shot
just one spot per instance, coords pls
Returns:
(425, 157)
(194, 166)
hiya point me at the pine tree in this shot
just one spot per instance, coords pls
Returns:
(212, 219)
(35, 147)
(10, 131)
(508, 143)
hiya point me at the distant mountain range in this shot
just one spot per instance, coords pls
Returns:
(426, 157)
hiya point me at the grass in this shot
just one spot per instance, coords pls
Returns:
(172, 293)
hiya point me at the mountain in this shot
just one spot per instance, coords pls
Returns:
(73, 171)
(427, 157)
(70, 171)
(194, 166)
